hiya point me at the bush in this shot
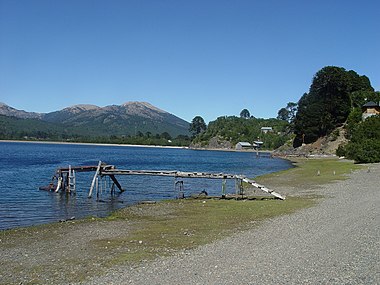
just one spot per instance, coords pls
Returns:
(364, 146)
(367, 151)
(341, 151)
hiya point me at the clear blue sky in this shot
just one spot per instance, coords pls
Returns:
(196, 57)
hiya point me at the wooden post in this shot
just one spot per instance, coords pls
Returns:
(74, 182)
(97, 188)
(224, 181)
(59, 184)
(94, 179)
(113, 178)
(69, 180)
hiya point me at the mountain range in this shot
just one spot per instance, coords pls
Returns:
(130, 118)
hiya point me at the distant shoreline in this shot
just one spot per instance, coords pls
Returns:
(136, 145)
(95, 144)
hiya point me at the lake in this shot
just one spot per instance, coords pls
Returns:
(24, 167)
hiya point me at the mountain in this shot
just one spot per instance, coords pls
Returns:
(130, 118)
(6, 110)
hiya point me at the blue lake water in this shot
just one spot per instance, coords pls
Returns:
(24, 167)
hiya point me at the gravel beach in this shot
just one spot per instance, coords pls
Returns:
(335, 242)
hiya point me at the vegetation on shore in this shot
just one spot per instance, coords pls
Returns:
(335, 99)
(310, 173)
(76, 250)
(233, 129)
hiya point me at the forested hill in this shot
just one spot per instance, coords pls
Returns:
(85, 122)
(333, 94)
(335, 100)
(226, 131)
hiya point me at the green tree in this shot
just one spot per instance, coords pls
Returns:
(288, 113)
(328, 103)
(364, 146)
(166, 136)
(197, 126)
(359, 98)
(245, 114)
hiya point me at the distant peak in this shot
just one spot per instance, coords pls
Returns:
(136, 104)
(83, 107)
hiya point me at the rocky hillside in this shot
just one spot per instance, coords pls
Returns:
(8, 111)
(326, 145)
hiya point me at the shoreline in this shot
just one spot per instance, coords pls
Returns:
(22, 143)
(136, 145)
(96, 240)
(93, 144)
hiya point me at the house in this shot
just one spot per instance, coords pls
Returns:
(258, 144)
(370, 109)
(243, 145)
(266, 129)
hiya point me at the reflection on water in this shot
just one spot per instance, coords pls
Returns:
(26, 166)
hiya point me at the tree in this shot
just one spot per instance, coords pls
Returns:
(283, 114)
(245, 114)
(328, 103)
(197, 126)
(166, 136)
(288, 113)
(359, 98)
(364, 145)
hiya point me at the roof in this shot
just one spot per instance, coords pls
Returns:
(244, 143)
(371, 104)
(266, 128)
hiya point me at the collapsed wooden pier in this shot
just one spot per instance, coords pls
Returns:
(66, 178)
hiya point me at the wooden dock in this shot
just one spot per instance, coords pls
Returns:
(66, 180)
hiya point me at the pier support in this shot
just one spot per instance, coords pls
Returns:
(66, 179)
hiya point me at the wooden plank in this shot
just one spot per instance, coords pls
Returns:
(263, 188)
(59, 184)
(94, 179)
(116, 183)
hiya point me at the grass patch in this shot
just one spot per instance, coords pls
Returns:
(310, 173)
(191, 223)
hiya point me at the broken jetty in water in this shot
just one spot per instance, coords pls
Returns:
(64, 178)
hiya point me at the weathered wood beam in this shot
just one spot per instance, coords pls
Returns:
(94, 179)
(116, 183)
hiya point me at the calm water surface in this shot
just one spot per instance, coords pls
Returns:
(26, 166)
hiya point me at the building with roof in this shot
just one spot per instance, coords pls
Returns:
(243, 145)
(370, 109)
(266, 129)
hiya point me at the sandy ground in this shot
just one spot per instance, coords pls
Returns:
(335, 242)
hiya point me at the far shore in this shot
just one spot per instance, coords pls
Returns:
(136, 145)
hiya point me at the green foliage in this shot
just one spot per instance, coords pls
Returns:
(245, 114)
(234, 129)
(197, 126)
(354, 118)
(359, 98)
(288, 113)
(364, 146)
(328, 103)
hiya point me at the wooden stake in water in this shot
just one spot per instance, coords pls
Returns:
(94, 179)
(69, 180)
(97, 188)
